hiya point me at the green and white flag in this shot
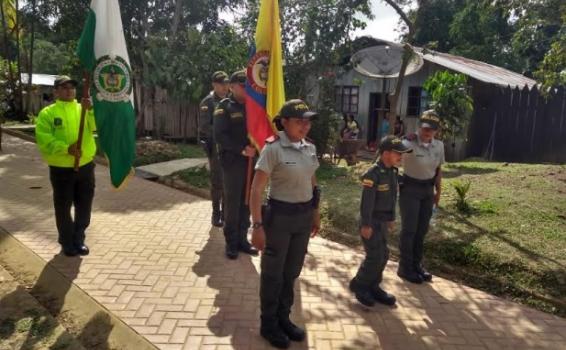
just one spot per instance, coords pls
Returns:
(102, 52)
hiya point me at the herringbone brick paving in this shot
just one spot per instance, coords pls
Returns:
(156, 263)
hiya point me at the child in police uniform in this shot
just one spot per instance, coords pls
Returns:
(377, 215)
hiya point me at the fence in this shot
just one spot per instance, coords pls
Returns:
(163, 117)
(519, 125)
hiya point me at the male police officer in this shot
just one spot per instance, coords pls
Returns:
(420, 192)
(231, 135)
(377, 214)
(206, 118)
(56, 132)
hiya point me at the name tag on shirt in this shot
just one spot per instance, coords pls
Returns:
(236, 115)
(383, 188)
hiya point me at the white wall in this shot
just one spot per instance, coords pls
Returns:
(368, 86)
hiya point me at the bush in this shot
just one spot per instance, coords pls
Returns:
(462, 189)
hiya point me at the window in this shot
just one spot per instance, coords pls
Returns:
(417, 101)
(347, 99)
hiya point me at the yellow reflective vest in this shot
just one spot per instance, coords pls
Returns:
(57, 127)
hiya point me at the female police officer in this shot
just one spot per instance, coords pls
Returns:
(291, 217)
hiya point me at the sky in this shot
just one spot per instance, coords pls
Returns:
(384, 24)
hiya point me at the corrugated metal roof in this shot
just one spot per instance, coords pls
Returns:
(39, 79)
(476, 69)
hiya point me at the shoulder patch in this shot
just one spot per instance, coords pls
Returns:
(272, 139)
(367, 183)
(204, 108)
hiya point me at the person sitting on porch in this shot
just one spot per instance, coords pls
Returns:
(351, 128)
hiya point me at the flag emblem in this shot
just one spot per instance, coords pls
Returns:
(112, 79)
(258, 71)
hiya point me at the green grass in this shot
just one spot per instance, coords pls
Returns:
(511, 242)
(197, 177)
(150, 152)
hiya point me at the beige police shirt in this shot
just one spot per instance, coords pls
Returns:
(422, 163)
(290, 168)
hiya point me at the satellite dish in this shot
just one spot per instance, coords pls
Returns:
(384, 61)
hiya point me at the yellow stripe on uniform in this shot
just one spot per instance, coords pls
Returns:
(367, 183)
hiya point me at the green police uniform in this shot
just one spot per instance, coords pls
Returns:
(287, 221)
(57, 128)
(231, 136)
(377, 208)
(416, 200)
(206, 136)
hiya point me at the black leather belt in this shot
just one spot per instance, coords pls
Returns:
(289, 208)
(407, 180)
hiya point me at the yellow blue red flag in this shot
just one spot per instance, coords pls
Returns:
(265, 88)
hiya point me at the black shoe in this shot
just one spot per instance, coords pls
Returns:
(412, 277)
(217, 219)
(425, 275)
(70, 251)
(82, 249)
(293, 332)
(248, 249)
(231, 253)
(276, 337)
(362, 294)
(383, 297)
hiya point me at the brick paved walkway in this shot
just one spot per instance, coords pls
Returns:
(157, 264)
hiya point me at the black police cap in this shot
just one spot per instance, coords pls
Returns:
(63, 79)
(429, 119)
(220, 77)
(393, 143)
(238, 77)
(296, 109)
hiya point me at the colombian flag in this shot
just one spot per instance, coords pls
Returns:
(264, 86)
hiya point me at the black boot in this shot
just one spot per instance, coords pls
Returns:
(231, 252)
(411, 276)
(294, 332)
(246, 247)
(217, 218)
(271, 332)
(383, 297)
(426, 276)
(363, 295)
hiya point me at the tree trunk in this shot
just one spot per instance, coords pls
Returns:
(30, 67)
(176, 21)
(407, 54)
(11, 78)
(19, 91)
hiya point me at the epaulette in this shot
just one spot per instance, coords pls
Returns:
(225, 100)
(272, 139)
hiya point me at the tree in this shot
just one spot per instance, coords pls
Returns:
(449, 97)
(552, 71)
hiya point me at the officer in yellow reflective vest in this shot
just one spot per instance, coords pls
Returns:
(56, 132)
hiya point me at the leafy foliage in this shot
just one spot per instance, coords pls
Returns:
(462, 189)
(450, 98)
(552, 71)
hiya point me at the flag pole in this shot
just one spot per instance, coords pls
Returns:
(85, 94)
(248, 180)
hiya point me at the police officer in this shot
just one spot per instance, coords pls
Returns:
(290, 218)
(206, 118)
(231, 136)
(56, 132)
(420, 192)
(377, 215)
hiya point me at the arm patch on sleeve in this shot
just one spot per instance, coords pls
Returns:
(204, 108)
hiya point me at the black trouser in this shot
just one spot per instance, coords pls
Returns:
(236, 212)
(416, 202)
(72, 188)
(370, 272)
(287, 238)
(216, 185)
